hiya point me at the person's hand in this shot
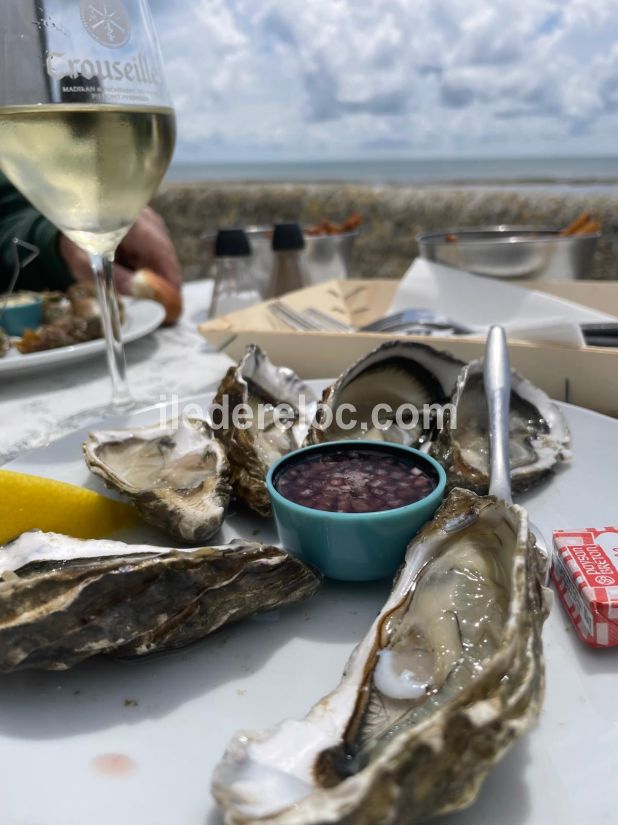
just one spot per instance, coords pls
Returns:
(147, 245)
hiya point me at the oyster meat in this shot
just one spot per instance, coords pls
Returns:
(539, 435)
(177, 475)
(251, 450)
(397, 373)
(450, 673)
(63, 600)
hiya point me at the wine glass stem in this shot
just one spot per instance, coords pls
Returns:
(103, 267)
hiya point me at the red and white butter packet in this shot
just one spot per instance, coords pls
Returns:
(585, 571)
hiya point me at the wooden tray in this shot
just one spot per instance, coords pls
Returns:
(587, 377)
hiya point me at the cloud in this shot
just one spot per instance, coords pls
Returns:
(340, 78)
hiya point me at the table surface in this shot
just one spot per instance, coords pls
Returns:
(38, 407)
(537, 782)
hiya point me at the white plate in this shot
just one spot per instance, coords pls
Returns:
(53, 725)
(141, 318)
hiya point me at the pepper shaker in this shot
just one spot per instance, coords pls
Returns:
(288, 267)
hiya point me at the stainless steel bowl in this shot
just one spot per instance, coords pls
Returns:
(512, 251)
(326, 257)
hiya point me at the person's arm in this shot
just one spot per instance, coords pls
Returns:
(18, 219)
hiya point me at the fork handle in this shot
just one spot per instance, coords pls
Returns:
(497, 375)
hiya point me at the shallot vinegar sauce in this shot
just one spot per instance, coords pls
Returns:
(355, 481)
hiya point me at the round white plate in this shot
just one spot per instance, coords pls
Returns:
(141, 318)
(172, 715)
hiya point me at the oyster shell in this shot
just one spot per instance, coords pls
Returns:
(449, 675)
(396, 373)
(63, 600)
(177, 475)
(539, 435)
(252, 450)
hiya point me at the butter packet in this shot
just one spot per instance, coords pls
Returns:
(585, 572)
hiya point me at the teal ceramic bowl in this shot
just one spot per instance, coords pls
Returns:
(353, 546)
(18, 317)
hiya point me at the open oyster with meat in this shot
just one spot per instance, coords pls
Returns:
(176, 474)
(63, 600)
(450, 673)
(400, 375)
(443, 409)
(539, 435)
(256, 442)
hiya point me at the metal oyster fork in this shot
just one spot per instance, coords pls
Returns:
(497, 375)
(425, 319)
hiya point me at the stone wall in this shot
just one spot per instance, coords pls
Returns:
(393, 217)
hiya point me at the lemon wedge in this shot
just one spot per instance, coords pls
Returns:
(33, 503)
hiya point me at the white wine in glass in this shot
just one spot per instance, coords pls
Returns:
(87, 130)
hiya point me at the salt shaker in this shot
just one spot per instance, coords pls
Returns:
(235, 278)
(288, 270)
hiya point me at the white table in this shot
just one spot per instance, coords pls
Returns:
(34, 408)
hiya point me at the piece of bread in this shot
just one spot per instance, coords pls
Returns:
(147, 284)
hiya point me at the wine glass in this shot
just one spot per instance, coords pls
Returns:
(87, 129)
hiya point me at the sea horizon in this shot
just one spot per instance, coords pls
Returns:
(585, 174)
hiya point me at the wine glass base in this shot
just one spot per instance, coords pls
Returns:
(90, 417)
(122, 404)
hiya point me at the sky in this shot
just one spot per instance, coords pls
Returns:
(329, 79)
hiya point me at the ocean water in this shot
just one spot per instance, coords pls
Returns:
(591, 174)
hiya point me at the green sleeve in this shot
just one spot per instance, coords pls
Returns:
(18, 219)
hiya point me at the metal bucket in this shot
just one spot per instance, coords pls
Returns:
(512, 251)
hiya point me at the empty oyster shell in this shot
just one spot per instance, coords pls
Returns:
(539, 435)
(397, 373)
(256, 382)
(449, 675)
(176, 475)
(63, 600)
